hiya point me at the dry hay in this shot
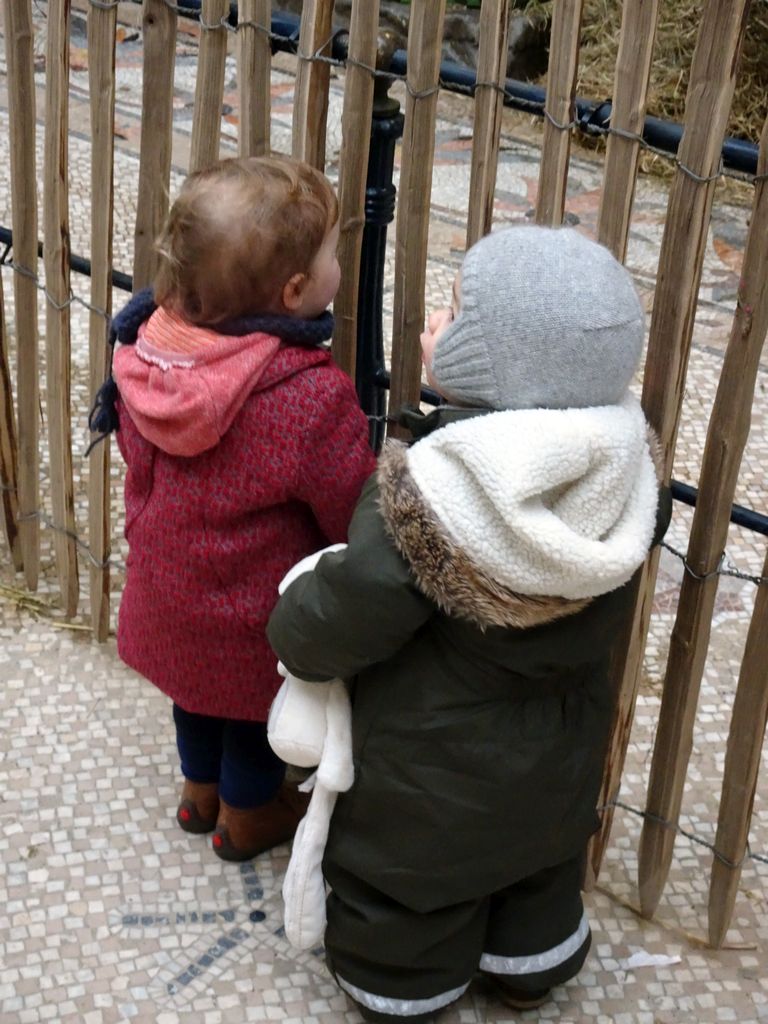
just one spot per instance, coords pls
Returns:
(675, 40)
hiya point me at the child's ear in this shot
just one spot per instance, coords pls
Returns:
(293, 291)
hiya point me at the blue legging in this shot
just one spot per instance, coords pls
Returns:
(233, 753)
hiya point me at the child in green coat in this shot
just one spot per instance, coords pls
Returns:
(473, 614)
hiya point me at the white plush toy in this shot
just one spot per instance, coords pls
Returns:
(310, 724)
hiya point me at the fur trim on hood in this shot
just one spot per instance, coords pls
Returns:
(517, 519)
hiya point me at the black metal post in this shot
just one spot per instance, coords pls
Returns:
(386, 129)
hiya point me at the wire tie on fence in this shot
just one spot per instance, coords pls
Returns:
(24, 271)
(658, 820)
(495, 86)
(421, 94)
(564, 126)
(374, 72)
(212, 26)
(719, 571)
(692, 572)
(733, 572)
(702, 180)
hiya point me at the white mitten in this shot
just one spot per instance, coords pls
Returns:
(306, 565)
(297, 719)
(303, 886)
(296, 723)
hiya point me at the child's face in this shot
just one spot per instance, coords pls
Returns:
(437, 323)
(322, 282)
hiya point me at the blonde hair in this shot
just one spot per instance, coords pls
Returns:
(237, 233)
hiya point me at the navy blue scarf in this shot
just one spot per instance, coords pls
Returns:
(103, 418)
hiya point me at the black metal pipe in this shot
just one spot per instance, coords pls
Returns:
(738, 154)
(79, 264)
(740, 515)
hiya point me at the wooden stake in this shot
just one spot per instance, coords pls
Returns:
(713, 73)
(310, 105)
(22, 114)
(101, 80)
(682, 253)
(159, 35)
(255, 65)
(353, 163)
(9, 448)
(425, 35)
(742, 764)
(630, 90)
(633, 66)
(57, 321)
(209, 88)
(561, 90)
(489, 104)
(726, 439)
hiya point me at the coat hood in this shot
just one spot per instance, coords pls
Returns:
(518, 518)
(185, 404)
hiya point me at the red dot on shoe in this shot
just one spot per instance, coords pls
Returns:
(217, 841)
(184, 813)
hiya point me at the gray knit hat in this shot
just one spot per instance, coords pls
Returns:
(548, 319)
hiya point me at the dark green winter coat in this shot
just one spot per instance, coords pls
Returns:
(478, 746)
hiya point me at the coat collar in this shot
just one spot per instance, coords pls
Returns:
(422, 424)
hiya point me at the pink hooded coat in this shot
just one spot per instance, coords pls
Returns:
(243, 456)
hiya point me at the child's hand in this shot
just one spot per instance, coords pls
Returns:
(437, 322)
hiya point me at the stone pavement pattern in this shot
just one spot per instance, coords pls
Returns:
(108, 912)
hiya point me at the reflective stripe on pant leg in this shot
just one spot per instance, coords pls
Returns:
(401, 1007)
(538, 962)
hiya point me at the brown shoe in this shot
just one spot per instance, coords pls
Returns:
(199, 807)
(242, 834)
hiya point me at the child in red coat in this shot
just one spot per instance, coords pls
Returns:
(245, 450)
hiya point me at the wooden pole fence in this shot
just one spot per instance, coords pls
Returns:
(310, 104)
(742, 764)
(633, 68)
(561, 92)
(425, 33)
(159, 33)
(726, 439)
(253, 73)
(630, 91)
(680, 263)
(489, 104)
(23, 118)
(353, 163)
(709, 101)
(209, 86)
(750, 708)
(9, 449)
(57, 321)
(101, 70)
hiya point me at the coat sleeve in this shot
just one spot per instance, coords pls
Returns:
(358, 607)
(335, 457)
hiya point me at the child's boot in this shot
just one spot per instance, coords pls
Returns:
(517, 998)
(242, 834)
(199, 807)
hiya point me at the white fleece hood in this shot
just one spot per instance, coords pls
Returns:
(552, 502)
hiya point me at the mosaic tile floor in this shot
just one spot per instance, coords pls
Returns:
(109, 913)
